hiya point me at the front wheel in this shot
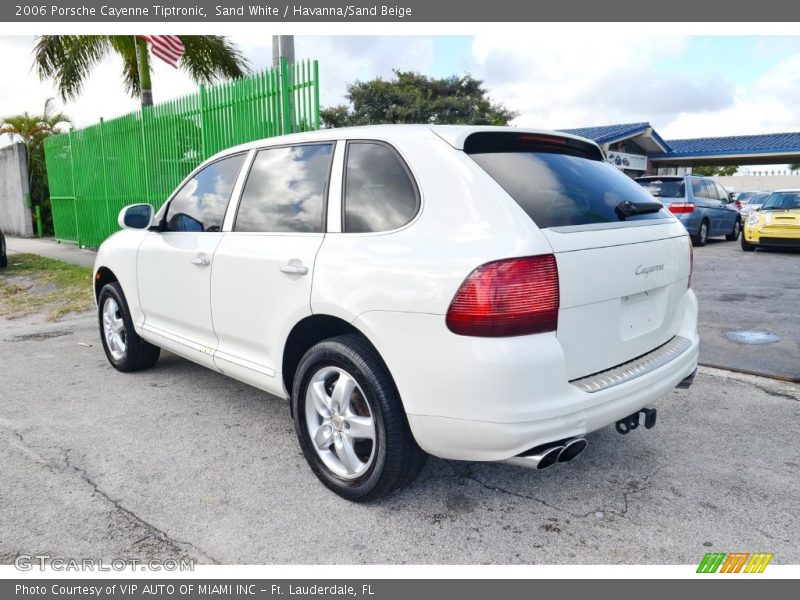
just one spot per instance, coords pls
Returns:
(747, 247)
(125, 350)
(737, 227)
(350, 421)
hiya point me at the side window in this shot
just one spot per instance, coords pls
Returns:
(723, 195)
(200, 204)
(379, 194)
(700, 188)
(285, 190)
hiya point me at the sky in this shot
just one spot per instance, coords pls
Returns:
(685, 86)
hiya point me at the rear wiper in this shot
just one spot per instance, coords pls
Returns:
(628, 209)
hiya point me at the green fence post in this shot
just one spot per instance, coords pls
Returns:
(74, 191)
(37, 209)
(203, 127)
(316, 94)
(105, 178)
(286, 99)
(148, 184)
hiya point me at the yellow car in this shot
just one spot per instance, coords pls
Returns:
(776, 223)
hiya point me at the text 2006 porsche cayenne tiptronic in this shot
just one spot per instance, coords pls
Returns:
(475, 293)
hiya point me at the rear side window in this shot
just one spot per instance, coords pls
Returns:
(201, 203)
(558, 190)
(285, 190)
(721, 192)
(664, 188)
(379, 194)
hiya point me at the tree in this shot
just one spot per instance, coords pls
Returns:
(414, 98)
(32, 130)
(70, 59)
(794, 167)
(710, 171)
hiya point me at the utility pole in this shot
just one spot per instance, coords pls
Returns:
(282, 46)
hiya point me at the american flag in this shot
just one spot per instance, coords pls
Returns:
(168, 48)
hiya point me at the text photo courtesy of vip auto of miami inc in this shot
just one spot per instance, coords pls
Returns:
(288, 302)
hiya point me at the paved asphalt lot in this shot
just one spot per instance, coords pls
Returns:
(180, 461)
(748, 291)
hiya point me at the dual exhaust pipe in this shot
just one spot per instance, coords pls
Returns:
(547, 455)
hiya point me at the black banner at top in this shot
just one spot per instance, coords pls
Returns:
(440, 11)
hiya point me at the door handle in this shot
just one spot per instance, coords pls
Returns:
(201, 260)
(294, 269)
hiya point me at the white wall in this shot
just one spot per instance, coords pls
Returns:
(15, 216)
(737, 183)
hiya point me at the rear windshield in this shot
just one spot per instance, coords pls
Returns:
(558, 190)
(664, 188)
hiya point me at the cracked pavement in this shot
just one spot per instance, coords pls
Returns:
(182, 462)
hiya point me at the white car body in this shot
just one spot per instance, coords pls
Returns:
(472, 398)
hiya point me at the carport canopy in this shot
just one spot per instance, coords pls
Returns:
(763, 149)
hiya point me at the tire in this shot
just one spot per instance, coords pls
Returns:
(745, 246)
(384, 464)
(134, 354)
(701, 238)
(734, 234)
(3, 261)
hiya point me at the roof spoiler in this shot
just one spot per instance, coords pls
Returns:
(484, 142)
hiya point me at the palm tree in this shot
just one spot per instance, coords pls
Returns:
(32, 130)
(69, 60)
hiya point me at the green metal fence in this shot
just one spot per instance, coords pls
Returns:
(142, 156)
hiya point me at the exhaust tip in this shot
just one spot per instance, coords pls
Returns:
(549, 457)
(572, 448)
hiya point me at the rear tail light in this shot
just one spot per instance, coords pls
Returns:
(516, 296)
(738, 204)
(681, 207)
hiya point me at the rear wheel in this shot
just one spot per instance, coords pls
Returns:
(350, 421)
(737, 227)
(747, 247)
(702, 234)
(125, 350)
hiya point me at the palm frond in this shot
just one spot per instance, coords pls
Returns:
(211, 57)
(68, 60)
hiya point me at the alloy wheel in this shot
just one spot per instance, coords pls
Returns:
(340, 422)
(114, 330)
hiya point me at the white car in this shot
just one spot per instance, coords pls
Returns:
(474, 293)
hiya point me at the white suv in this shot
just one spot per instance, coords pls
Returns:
(475, 293)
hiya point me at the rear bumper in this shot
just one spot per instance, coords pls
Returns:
(486, 441)
(488, 399)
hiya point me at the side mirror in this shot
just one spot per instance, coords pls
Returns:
(135, 216)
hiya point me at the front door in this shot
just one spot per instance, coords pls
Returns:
(174, 265)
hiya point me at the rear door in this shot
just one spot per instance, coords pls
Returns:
(622, 278)
(263, 267)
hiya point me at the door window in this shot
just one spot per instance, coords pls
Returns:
(285, 190)
(201, 203)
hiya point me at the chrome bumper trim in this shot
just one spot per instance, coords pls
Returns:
(634, 368)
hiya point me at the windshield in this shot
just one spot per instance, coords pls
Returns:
(664, 188)
(756, 199)
(782, 201)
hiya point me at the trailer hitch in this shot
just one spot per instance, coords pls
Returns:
(631, 422)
